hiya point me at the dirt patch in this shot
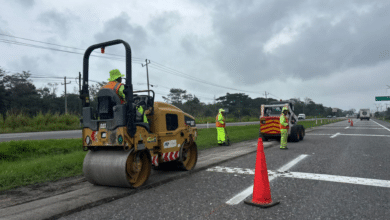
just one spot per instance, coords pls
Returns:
(30, 193)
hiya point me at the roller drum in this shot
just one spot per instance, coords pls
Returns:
(107, 168)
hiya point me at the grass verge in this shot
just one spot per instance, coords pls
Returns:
(310, 124)
(31, 162)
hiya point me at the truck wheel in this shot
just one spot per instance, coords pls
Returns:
(295, 135)
(302, 132)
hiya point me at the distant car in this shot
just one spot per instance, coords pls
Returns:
(302, 116)
(334, 116)
(329, 116)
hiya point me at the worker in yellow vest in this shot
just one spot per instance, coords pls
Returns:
(115, 83)
(220, 124)
(140, 109)
(284, 129)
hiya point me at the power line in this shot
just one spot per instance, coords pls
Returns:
(59, 50)
(199, 80)
(156, 66)
(62, 45)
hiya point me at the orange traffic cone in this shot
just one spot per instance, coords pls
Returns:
(261, 190)
(351, 122)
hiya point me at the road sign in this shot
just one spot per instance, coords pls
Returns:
(382, 98)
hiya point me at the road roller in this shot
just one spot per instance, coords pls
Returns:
(122, 148)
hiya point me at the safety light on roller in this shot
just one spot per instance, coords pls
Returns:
(88, 140)
(104, 134)
(263, 122)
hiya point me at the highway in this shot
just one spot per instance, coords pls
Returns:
(340, 172)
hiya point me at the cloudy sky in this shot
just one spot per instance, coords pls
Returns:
(335, 52)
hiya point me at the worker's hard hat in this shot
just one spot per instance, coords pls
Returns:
(221, 110)
(284, 109)
(115, 74)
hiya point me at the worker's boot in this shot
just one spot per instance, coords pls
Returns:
(283, 148)
(225, 144)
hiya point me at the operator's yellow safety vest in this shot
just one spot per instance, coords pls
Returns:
(141, 110)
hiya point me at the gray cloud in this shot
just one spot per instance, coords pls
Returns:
(317, 47)
(26, 63)
(26, 3)
(163, 23)
(3, 26)
(58, 21)
(189, 44)
(121, 28)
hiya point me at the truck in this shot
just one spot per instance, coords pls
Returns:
(302, 116)
(364, 114)
(270, 122)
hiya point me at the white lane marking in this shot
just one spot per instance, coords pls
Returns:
(292, 163)
(338, 179)
(232, 170)
(242, 195)
(382, 125)
(248, 191)
(318, 134)
(364, 128)
(362, 135)
(346, 128)
(335, 135)
(367, 135)
(309, 176)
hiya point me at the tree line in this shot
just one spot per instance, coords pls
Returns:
(18, 95)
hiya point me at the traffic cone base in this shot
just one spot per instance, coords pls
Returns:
(261, 205)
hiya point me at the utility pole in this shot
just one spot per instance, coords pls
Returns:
(79, 83)
(266, 99)
(147, 72)
(66, 104)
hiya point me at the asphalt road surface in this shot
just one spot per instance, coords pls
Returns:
(337, 172)
(77, 133)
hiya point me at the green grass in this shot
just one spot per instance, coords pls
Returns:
(48, 122)
(204, 120)
(30, 162)
(207, 138)
(310, 124)
(42, 169)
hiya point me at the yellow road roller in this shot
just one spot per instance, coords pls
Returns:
(121, 147)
